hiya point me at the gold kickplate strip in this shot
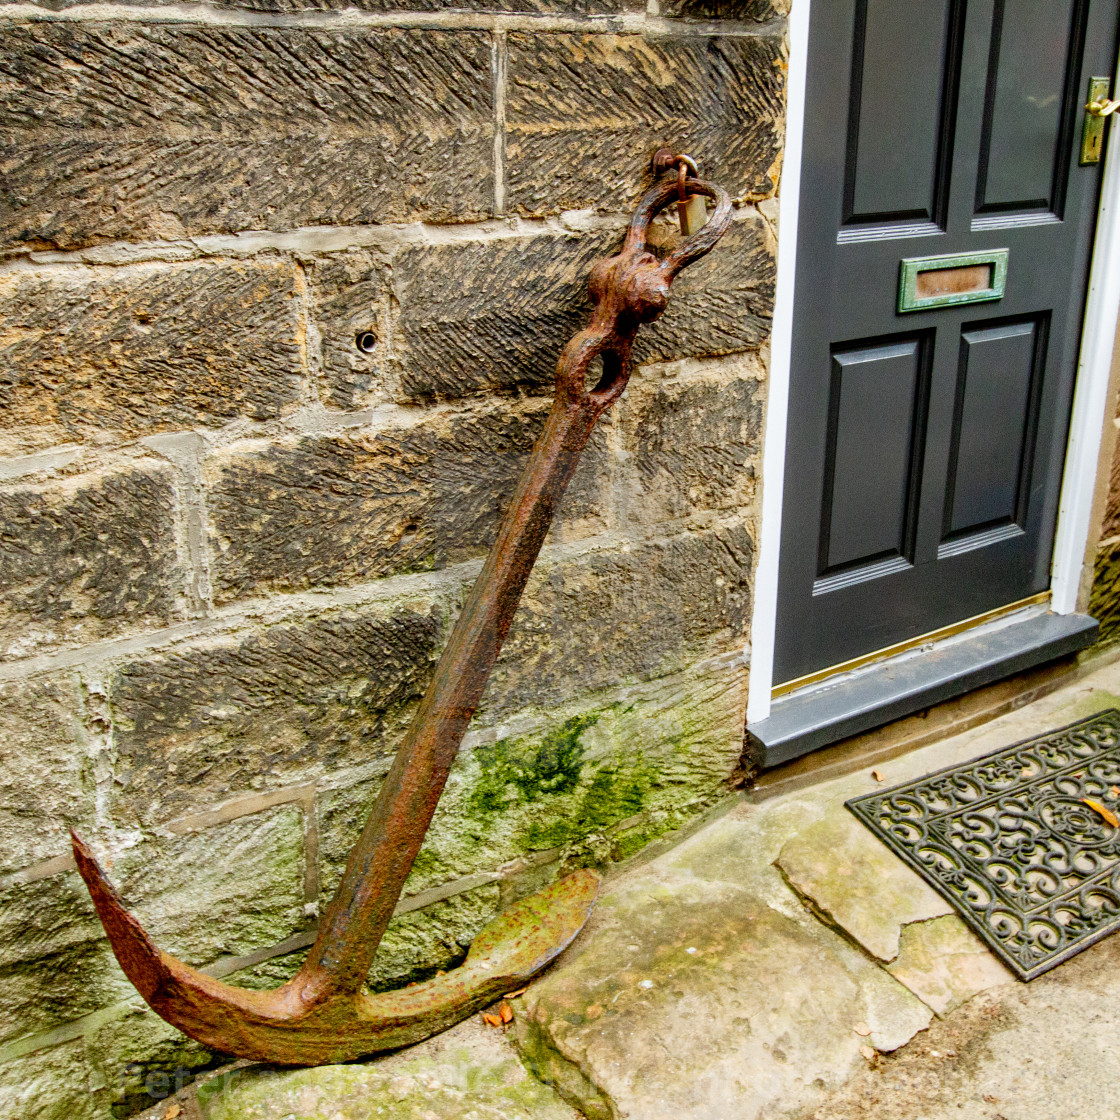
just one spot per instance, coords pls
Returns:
(902, 647)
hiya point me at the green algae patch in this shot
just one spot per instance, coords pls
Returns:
(528, 771)
(657, 759)
(642, 765)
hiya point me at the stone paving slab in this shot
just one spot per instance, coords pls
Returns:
(692, 999)
(857, 882)
(945, 964)
(467, 1073)
(1039, 1051)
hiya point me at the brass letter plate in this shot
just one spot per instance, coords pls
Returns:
(931, 282)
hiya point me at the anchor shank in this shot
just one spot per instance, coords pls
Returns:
(380, 861)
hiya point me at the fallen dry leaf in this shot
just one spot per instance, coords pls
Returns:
(1103, 810)
(505, 1012)
(862, 1028)
(877, 776)
(519, 992)
(491, 1020)
(172, 1112)
(867, 1052)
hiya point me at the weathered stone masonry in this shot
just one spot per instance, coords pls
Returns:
(231, 542)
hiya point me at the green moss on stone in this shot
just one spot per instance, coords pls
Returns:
(451, 1077)
(615, 793)
(510, 770)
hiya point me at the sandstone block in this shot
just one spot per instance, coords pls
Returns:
(86, 559)
(142, 1060)
(350, 291)
(146, 130)
(644, 764)
(418, 944)
(692, 444)
(348, 508)
(723, 9)
(231, 889)
(496, 314)
(55, 964)
(596, 782)
(492, 314)
(1110, 523)
(1104, 601)
(597, 621)
(586, 112)
(54, 1084)
(196, 725)
(46, 781)
(720, 305)
(549, 7)
(108, 354)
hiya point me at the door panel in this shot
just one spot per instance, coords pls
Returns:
(1032, 83)
(875, 415)
(925, 449)
(992, 427)
(904, 56)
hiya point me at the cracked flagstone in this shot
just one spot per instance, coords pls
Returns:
(945, 964)
(1039, 1051)
(692, 999)
(857, 882)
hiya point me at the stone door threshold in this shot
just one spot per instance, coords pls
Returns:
(850, 704)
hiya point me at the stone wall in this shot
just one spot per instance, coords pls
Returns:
(233, 541)
(1104, 600)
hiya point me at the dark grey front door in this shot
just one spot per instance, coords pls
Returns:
(926, 447)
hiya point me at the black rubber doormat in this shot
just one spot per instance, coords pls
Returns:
(1022, 842)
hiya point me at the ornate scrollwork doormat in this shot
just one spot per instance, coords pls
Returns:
(1012, 842)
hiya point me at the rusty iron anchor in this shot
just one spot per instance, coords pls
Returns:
(322, 1015)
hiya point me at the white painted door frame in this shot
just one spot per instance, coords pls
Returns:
(1089, 402)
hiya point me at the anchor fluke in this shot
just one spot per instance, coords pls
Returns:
(299, 1023)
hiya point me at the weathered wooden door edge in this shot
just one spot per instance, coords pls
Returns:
(1087, 422)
